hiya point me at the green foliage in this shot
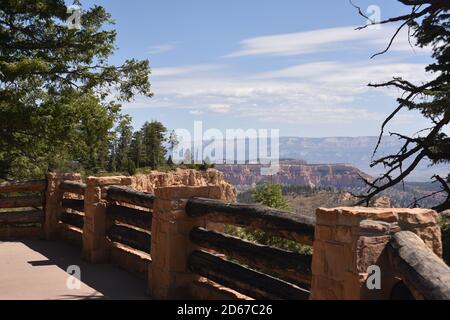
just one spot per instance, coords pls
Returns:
(170, 162)
(52, 141)
(131, 167)
(445, 228)
(153, 138)
(173, 141)
(137, 150)
(55, 85)
(286, 190)
(122, 150)
(143, 149)
(269, 195)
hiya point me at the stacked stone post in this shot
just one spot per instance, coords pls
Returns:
(169, 276)
(349, 242)
(53, 198)
(95, 245)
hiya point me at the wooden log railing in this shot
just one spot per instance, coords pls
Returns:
(74, 204)
(75, 216)
(249, 282)
(23, 202)
(423, 272)
(133, 238)
(134, 217)
(23, 186)
(78, 188)
(130, 196)
(290, 266)
(260, 271)
(72, 219)
(22, 217)
(131, 226)
(287, 225)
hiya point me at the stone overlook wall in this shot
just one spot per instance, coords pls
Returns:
(350, 240)
(158, 244)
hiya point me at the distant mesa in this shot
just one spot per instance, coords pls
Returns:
(296, 172)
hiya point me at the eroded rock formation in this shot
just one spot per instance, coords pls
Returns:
(296, 173)
(184, 177)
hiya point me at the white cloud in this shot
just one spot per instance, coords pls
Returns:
(184, 70)
(322, 40)
(196, 112)
(331, 92)
(325, 92)
(162, 48)
(219, 108)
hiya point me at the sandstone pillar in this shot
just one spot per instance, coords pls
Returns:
(53, 198)
(169, 276)
(350, 240)
(95, 244)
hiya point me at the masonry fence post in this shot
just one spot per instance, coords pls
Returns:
(169, 276)
(350, 240)
(95, 245)
(53, 198)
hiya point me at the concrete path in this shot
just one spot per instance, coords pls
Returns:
(36, 270)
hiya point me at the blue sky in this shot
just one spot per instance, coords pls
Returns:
(294, 65)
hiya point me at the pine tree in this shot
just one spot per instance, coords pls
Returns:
(112, 163)
(429, 26)
(270, 195)
(125, 133)
(137, 152)
(49, 76)
(153, 138)
(173, 143)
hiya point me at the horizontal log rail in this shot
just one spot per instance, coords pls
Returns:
(74, 204)
(423, 272)
(134, 217)
(128, 195)
(72, 219)
(22, 217)
(78, 188)
(289, 266)
(249, 282)
(136, 239)
(291, 226)
(23, 186)
(21, 202)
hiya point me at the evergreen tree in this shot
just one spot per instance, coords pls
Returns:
(125, 133)
(50, 75)
(170, 162)
(270, 195)
(154, 137)
(173, 143)
(92, 136)
(137, 153)
(112, 164)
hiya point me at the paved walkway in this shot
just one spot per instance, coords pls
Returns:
(36, 270)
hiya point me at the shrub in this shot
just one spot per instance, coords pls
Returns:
(445, 228)
(269, 195)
